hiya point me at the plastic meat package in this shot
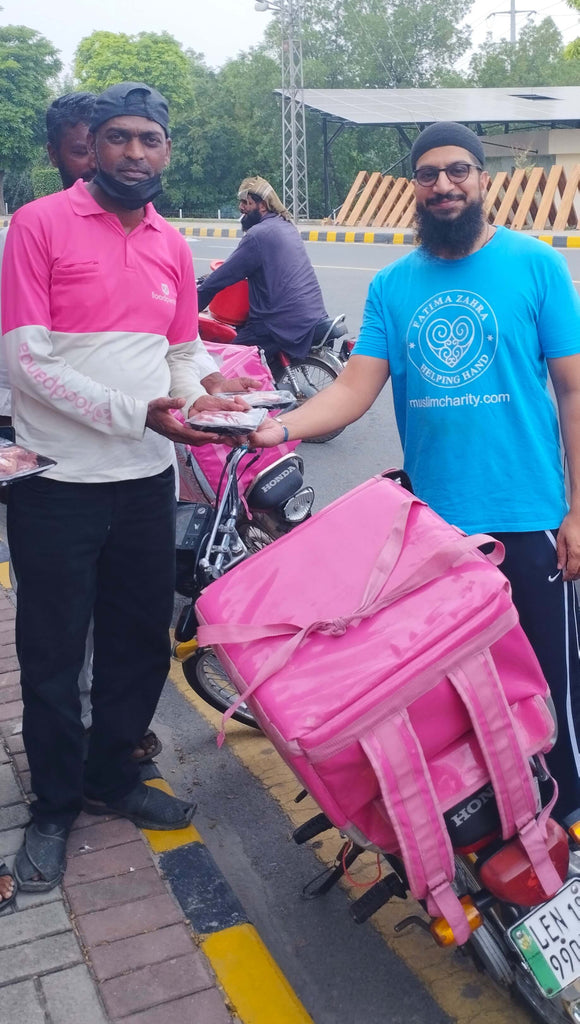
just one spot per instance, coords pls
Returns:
(262, 399)
(223, 422)
(16, 462)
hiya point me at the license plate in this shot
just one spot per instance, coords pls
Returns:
(549, 940)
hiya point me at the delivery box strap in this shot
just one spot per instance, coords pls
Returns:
(441, 559)
(408, 794)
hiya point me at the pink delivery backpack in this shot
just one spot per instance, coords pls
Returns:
(391, 673)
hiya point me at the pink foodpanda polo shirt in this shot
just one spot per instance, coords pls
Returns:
(88, 317)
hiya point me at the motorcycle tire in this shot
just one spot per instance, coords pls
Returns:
(210, 681)
(316, 375)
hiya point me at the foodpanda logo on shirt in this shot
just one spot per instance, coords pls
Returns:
(452, 338)
(165, 296)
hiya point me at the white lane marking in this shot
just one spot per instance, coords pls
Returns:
(317, 266)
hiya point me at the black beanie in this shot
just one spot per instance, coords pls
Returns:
(133, 98)
(447, 133)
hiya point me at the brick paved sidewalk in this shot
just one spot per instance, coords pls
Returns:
(112, 944)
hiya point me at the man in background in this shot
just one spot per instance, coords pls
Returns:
(286, 303)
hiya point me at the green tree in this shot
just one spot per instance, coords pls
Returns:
(369, 44)
(386, 44)
(537, 58)
(104, 58)
(28, 64)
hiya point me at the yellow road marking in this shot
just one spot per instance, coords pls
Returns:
(160, 841)
(5, 576)
(313, 236)
(252, 980)
(467, 996)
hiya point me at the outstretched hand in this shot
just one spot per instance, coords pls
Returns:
(215, 382)
(568, 546)
(160, 418)
(269, 434)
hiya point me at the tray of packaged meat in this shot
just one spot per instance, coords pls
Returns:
(16, 462)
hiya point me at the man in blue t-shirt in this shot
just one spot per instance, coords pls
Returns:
(468, 326)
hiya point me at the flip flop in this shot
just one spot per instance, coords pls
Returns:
(43, 853)
(151, 744)
(146, 807)
(5, 873)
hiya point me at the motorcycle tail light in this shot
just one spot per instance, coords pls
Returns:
(298, 507)
(441, 930)
(509, 876)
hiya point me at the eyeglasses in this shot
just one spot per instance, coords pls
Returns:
(456, 173)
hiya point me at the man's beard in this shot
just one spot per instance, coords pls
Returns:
(69, 179)
(249, 219)
(455, 237)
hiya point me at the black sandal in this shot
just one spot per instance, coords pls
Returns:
(7, 901)
(146, 807)
(43, 853)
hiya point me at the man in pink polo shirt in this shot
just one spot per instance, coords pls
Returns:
(99, 321)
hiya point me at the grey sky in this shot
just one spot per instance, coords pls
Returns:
(218, 28)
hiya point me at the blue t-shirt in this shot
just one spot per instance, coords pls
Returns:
(467, 342)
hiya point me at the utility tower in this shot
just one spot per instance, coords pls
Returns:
(512, 13)
(294, 164)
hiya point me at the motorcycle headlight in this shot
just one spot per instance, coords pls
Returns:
(298, 507)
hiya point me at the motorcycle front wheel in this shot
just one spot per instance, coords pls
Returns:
(210, 681)
(306, 379)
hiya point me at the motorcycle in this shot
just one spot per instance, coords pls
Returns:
(305, 377)
(527, 945)
(217, 532)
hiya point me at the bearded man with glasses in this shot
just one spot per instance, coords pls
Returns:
(467, 327)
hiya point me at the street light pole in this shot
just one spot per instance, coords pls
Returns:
(294, 163)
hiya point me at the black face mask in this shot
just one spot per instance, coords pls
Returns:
(131, 197)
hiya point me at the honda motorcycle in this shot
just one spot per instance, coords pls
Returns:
(528, 945)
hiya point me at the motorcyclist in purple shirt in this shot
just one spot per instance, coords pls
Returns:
(286, 303)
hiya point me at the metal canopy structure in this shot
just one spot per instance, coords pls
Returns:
(404, 109)
(418, 107)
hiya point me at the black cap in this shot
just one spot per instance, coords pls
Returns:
(447, 133)
(133, 98)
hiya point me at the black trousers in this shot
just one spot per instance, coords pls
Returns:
(549, 614)
(106, 550)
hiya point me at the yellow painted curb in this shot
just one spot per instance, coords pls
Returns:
(162, 841)
(217, 232)
(369, 236)
(398, 238)
(233, 232)
(349, 236)
(251, 979)
(331, 236)
(313, 236)
(573, 242)
(5, 576)
(189, 231)
(548, 239)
